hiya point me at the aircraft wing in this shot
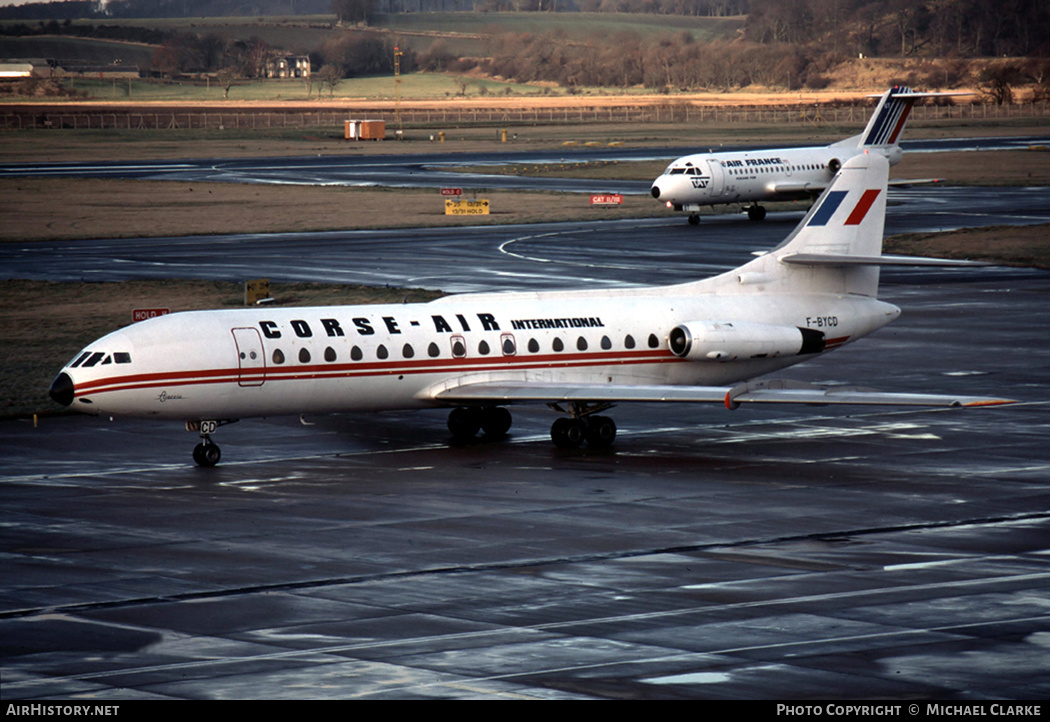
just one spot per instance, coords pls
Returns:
(790, 187)
(765, 392)
(793, 187)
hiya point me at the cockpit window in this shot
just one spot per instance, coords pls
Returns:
(88, 359)
(94, 359)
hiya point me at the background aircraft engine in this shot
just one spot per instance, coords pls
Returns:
(735, 340)
(834, 165)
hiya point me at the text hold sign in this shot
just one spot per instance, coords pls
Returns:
(141, 314)
(478, 207)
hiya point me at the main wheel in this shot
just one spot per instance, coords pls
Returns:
(694, 220)
(464, 422)
(567, 433)
(601, 432)
(756, 213)
(496, 421)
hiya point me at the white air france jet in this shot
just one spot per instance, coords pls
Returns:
(580, 352)
(784, 174)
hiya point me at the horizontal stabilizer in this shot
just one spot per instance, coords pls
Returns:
(909, 182)
(828, 259)
(767, 392)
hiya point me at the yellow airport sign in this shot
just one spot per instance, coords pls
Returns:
(256, 290)
(479, 207)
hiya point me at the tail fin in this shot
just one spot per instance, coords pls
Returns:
(889, 118)
(837, 246)
(891, 114)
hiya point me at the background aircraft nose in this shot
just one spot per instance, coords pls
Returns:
(62, 389)
(655, 191)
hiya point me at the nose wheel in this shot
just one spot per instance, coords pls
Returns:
(207, 452)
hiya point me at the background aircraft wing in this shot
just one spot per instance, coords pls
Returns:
(787, 187)
(764, 392)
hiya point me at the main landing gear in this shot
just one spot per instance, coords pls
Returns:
(207, 453)
(581, 425)
(756, 213)
(466, 421)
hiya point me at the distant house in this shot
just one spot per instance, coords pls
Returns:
(288, 66)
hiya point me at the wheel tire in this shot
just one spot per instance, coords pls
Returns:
(756, 213)
(567, 433)
(207, 455)
(601, 432)
(496, 422)
(694, 220)
(464, 423)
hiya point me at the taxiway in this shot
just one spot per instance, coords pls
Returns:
(808, 553)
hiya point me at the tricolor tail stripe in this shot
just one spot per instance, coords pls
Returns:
(891, 119)
(862, 207)
(832, 201)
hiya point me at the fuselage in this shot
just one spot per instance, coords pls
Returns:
(753, 176)
(270, 361)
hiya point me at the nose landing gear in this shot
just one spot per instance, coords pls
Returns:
(207, 453)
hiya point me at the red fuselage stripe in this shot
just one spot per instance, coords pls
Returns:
(315, 371)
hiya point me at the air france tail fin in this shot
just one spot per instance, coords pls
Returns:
(890, 116)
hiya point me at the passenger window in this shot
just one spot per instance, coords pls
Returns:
(581, 343)
(534, 346)
(381, 352)
(459, 348)
(433, 351)
(558, 345)
(606, 343)
(628, 341)
(356, 353)
(483, 348)
(278, 356)
(304, 356)
(654, 342)
(329, 354)
(407, 351)
(507, 341)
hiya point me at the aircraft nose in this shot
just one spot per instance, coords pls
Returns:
(62, 389)
(655, 191)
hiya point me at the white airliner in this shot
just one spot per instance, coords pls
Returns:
(784, 174)
(578, 351)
